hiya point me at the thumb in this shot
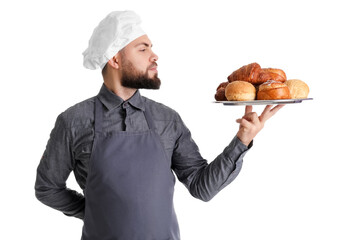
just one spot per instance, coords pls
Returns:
(248, 109)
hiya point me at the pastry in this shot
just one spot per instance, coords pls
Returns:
(220, 92)
(248, 73)
(220, 95)
(240, 91)
(272, 90)
(298, 88)
(222, 85)
(271, 74)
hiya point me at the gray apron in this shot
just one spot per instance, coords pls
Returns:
(130, 186)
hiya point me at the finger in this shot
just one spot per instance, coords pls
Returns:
(243, 123)
(251, 117)
(277, 108)
(248, 109)
(267, 113)
(266, 109)
(263, 117)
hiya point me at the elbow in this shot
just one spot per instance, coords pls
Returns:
(204, 196)
(205, 199)
(43, 193)
(44, 190)
(48, 197)
(40, 195)
(202, 190)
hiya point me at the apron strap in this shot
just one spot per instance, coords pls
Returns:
(98, 115)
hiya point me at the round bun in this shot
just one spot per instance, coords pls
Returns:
(272, 90)
(240, 91)
(298, 88)
(275, 74)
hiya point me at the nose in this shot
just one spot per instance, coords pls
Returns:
(153, 57)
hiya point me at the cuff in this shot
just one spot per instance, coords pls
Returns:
(235, 153)
(236, 149)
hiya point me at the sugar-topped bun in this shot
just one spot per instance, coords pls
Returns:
(272, 90)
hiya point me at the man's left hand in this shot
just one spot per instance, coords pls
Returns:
(250, 124)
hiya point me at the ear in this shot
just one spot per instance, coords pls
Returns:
(114, 62)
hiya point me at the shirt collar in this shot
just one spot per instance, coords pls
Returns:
(112, 101)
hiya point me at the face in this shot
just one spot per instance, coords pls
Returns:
(138, 65)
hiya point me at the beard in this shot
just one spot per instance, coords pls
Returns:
(132, 78)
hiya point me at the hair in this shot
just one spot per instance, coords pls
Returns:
(104, 70)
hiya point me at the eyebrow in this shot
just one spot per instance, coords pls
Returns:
(144, 43)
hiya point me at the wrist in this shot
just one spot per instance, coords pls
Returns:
(245, 141)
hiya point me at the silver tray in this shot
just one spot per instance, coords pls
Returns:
(263, 102)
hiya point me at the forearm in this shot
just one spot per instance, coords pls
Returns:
(68, 201)
(212, 178)
(53, 171)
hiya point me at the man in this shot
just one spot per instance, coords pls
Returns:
(123, 148)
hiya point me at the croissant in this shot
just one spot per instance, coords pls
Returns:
(271, 74)
(248, 73)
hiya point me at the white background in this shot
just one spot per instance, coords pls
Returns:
(288, 185)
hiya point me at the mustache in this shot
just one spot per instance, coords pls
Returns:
(152, 65)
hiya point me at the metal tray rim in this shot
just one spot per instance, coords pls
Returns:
(263, 102)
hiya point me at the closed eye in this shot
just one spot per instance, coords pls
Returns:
(143, 46)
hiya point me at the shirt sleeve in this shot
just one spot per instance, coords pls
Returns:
(54, 168)
(205, 180)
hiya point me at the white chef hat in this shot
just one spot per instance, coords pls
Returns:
(112, 34)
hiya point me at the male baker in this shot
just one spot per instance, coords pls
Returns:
(124, 148)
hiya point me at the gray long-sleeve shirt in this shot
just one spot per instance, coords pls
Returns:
(70, 144)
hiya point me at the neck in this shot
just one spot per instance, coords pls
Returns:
(113, 83)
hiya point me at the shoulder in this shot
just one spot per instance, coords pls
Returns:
(161, 112)
(81, 113)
